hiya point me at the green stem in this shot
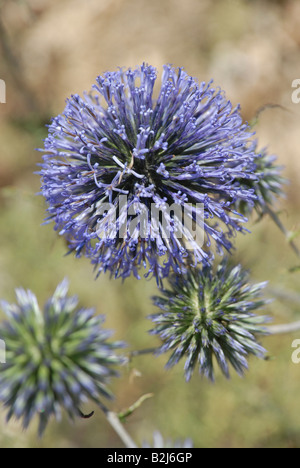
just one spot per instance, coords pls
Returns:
(118, 427)
(140, 352)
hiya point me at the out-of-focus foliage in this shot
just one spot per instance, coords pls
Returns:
(52, 48)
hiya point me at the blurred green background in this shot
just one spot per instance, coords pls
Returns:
(52, 48)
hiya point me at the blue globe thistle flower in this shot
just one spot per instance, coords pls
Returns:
(159, 442)
(187, 147)
(268, 185)
(55, 359)
(208, 315)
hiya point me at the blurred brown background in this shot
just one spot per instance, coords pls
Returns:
(50, 49)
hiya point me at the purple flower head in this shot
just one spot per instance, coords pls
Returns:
(119, 151)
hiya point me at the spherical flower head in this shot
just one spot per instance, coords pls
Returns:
(208, 316)
(159, 442)
(118, 154)
(55, 359)
(268, 185)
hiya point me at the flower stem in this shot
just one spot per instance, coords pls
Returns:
(139, 352)
(284, 328)
(118, 427)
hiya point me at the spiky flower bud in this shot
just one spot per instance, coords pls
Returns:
(56, 359)
(267, 186)
(207, 315)
(159, 442)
